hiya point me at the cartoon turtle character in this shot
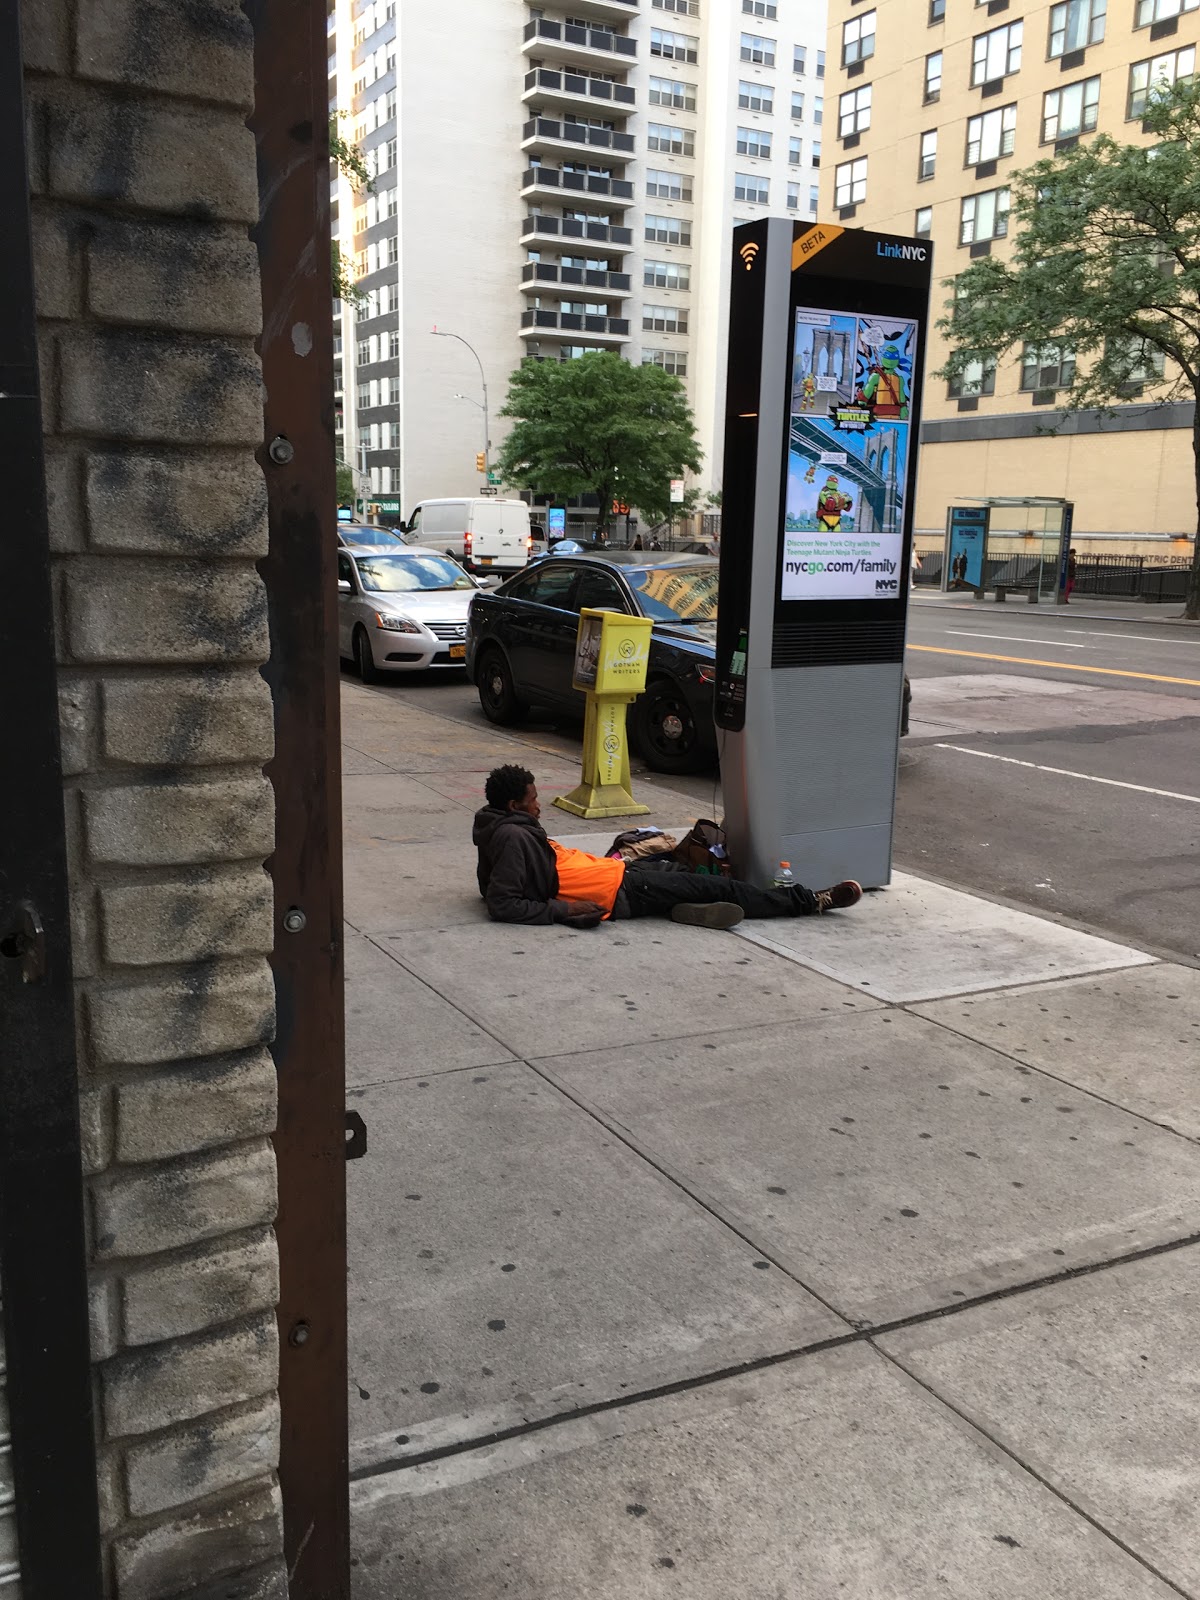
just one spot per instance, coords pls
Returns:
(808, 392)
(885, 390)
(831, 503)
(810, 475)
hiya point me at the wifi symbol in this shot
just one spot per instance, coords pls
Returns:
(748, 253)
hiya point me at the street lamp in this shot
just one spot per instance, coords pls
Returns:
(438, 333)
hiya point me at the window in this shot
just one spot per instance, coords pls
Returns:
(818, 115)
(858, 39)
(550, 586)
(928, 161)
(1149, 11)
(977, 377)
(1047, 366)
(749, 186)
(815, 152)
(667, 230)
(760, 8)
(666, 275)
(1066, 112)
(996, 53)
(361, 354)
(797, 108)
(666, 137)
(394, 345)
(991, 135)
(674, 361)
(795, 146)
(937, 11)
(685, 8)
(672, 92)
(793, 197)
(756, 97)
(756, 48)
(1075, 24)
(854, 111)
(667, 185)
(814, 195)
(1176, 66)
(598, 591)
(665, 319)
(1140, 363)
(820, 63)
(923, 222)
(799, 58)
(754, 142)
(673, 46)
(850, 183)
(984, 216)
(933, 76)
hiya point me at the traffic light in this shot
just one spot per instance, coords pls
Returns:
(480, 461)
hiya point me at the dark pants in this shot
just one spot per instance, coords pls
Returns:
(653, 888)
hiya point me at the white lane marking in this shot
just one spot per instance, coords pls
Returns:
(1064, 772)
(1142, 638)
(1016, 638)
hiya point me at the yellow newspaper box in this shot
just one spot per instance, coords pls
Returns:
(612, 652)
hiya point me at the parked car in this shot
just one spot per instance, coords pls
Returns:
(521, 646)
(367, 533)
(402, 610)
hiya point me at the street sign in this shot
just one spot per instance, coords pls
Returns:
(494, 475)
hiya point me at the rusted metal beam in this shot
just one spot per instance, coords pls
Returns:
(291, 127)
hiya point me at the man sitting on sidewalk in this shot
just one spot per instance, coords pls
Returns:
(526, 877)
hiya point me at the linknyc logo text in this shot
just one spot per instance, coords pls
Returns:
(901, 252)
(887, 585)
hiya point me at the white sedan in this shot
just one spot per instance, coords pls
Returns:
(402, 610)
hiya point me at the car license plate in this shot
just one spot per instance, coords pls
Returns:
(485, 561)
(457, 652)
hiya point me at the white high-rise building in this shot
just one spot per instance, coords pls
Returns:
(548, 181)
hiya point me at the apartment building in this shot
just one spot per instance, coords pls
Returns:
(550, 180)
(932, 105)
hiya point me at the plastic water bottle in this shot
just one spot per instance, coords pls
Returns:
(785, 878)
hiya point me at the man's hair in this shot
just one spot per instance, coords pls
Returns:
(505, 784)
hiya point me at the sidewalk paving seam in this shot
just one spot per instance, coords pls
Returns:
(854, 1336)
(977, 1425)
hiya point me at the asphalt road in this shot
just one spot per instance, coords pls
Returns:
(1053, 761)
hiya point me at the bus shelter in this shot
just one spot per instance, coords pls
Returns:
(1008, 542)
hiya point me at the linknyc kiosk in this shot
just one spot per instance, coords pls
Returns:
(826, 352)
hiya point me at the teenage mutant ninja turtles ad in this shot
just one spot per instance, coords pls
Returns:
(851, 395)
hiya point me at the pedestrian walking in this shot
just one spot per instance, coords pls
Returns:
(1070, 573)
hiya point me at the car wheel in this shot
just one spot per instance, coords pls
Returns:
(497, 692)
(363, 659)
(665, 729)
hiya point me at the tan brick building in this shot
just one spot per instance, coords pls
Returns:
(931, 105)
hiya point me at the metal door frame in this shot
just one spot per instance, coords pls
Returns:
(291, 127)
(43, 1253)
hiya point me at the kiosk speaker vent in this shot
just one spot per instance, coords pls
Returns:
(819, 644)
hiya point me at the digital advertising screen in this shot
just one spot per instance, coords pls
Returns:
(847, 455)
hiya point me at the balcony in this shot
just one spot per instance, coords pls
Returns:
(571, 42)
(539, 182)
(537, 275)
(619, 12)
(612, 241)
(573, 324)
(578, 92)
(543, 135)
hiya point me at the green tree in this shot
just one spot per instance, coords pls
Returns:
(1106, 265)
(599, 426)
(352, 164)
(345, 484)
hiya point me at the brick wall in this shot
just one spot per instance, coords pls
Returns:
(144, 186)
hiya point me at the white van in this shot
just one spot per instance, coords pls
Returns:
(485, 535)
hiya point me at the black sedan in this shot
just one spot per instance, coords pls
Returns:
(521, 646)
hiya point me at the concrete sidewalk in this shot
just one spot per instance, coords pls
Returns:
(1092, 607)
(853, 1256)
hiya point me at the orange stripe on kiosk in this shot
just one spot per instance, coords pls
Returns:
(612, 652)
